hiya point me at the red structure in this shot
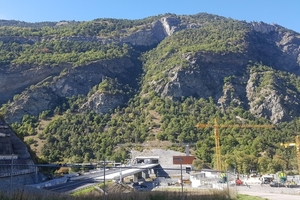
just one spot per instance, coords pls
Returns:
(185, 160)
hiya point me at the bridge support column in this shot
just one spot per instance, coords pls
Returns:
(122, 180)
(151, 171)
(145, 174)
(135, 177)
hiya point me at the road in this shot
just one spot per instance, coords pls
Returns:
(71, 185)
(270, 193)
(79, 182)
(271, 196)
(264, 191)
(96, 176)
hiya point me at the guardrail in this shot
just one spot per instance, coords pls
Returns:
(20, 172)
(8, 157)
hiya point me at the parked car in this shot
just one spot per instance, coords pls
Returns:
(276, 184)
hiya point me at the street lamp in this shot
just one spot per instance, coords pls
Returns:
(104, 179)
(11, 171)
(130, 162)
(120, 175)
(181, 179)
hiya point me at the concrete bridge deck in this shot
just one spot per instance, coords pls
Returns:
(133, 170)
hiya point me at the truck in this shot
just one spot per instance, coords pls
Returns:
(267, 178)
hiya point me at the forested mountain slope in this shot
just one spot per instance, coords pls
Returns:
(108, 85)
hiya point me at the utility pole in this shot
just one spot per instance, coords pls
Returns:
(11, 172)
(104, 180)
(227, 183)
(120, 174)
(182, 197)
(181, 179)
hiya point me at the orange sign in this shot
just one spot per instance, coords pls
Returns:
(185, 160)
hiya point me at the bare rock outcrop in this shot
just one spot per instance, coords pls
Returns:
(102, 103)
(263, 27)
(157, 31)
(50, 92)
(273, 101)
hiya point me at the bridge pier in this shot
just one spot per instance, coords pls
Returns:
(145, 174)
(135, 177)
(121, 180)
(151, 171)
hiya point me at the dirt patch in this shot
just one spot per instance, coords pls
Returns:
(157, 144)
(156, 119)
(116, 188)
(37, 146)
(39, 143)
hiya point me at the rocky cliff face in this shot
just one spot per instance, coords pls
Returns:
(205, 76)
(273, 101)
(44, 87)
(50, 92)
(158, 31)
(102, 103)
(207, 71)
(275, 46)
(18, 78)
(53, 83)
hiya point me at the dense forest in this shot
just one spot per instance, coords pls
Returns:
(74, 136)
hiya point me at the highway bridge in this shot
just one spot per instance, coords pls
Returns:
(72, 183)
(134, 170)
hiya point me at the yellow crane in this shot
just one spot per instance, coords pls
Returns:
(297, 145)
(217, 126)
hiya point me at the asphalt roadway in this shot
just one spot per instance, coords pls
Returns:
(270, 193)
(79, 182)
(263, 191)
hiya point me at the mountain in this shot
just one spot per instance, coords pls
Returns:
(108, 83)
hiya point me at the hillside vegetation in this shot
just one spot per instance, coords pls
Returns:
(208, 67)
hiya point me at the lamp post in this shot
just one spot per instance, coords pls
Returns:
(11, 172)
(181, 179)
(182, 197)
(130, 157)
(104, 180)
(120, 175)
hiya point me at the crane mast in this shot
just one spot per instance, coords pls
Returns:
(218, 148)
(297, 145)
(217, 126)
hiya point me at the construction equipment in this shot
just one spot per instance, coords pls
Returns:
(297, 145)
(282, 177)
(217, 126)
(223, 178)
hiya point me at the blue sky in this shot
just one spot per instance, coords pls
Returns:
(283, 12)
